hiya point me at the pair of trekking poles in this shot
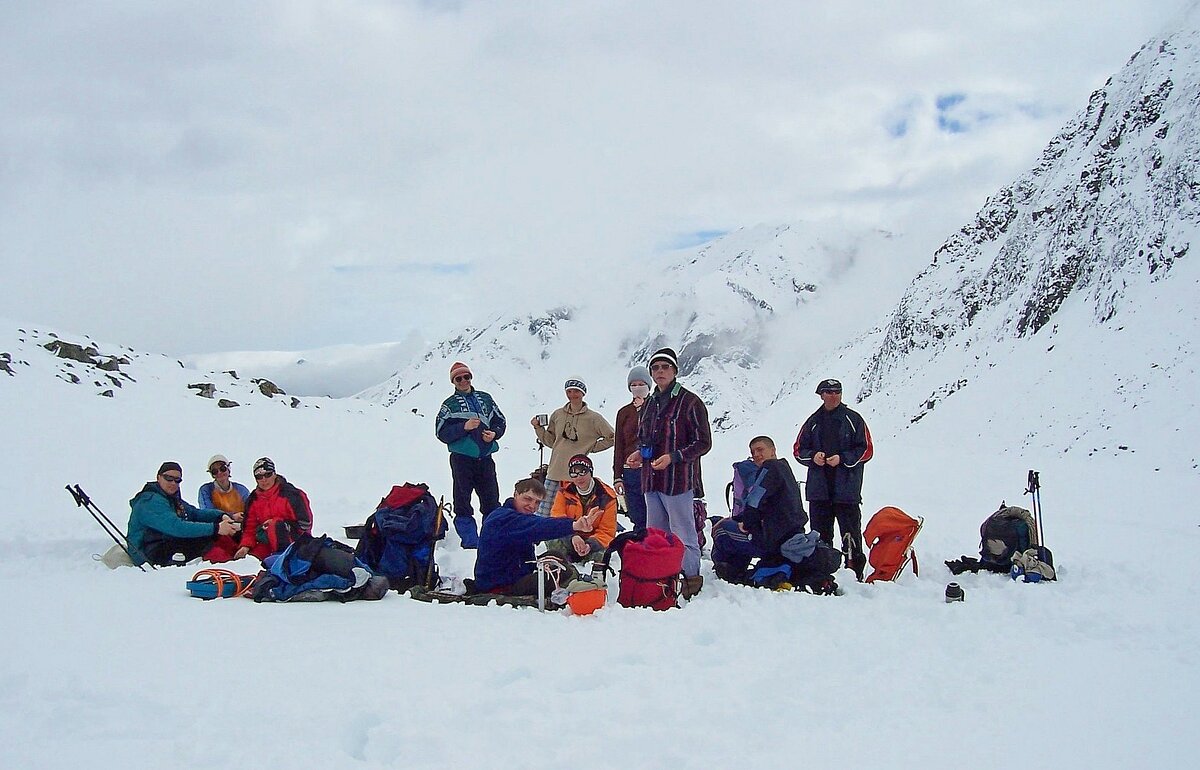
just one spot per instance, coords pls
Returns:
(112, 530)
(1033, 487)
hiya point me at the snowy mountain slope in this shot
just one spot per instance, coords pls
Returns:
(119, 669)
(336, 371)
(736, 310)
(1078, 277)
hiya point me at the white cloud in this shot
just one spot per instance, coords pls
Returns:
(198, 177)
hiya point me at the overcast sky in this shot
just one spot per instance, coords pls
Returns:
(195, 177)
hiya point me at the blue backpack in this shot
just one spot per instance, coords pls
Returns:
(745, 491)
(397, 542)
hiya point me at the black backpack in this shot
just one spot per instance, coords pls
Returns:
(1007, 531)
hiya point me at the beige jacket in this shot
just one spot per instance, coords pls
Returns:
(572, 434)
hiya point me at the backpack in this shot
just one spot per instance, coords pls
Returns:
(1008, 531)
(745, 491)
(398, 538)
(651, 568)
(889, 535)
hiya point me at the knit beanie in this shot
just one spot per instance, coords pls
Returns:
(639, 373)
(459, 368)
(577, 384)
(169, 465)
(265, 464)
(665, 354)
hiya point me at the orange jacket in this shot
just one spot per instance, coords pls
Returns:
(568, 505)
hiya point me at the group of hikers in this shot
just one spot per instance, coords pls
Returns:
(659, 438)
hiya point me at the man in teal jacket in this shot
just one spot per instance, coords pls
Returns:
(469, 423)
(165, 530)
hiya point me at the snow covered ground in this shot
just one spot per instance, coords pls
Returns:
(122, 669)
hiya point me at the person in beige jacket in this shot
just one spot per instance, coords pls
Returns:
(573, 429)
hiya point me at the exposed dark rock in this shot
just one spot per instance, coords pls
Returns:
(203, 389)
(268, 388)
(225, 403)
(73, 352)
(107, 393)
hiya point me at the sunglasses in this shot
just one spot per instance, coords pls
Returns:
(463, 378)
(827, 390)
(172, 479)
(660, 367)
(263, 475)
(218, 468)
(577, 473)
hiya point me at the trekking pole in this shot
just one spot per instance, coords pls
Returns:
(112, 530)
(1034, 490)
(433, 538)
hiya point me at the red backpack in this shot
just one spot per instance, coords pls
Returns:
(651, 568)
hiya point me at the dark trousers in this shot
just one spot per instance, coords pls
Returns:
(823, 513)
(167, 551)
(635, 501)
(478, 475)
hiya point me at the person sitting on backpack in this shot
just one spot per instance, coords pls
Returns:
(762, 529)
(585, 494)
(165, 530)
(223, 493)
(504, 564)
(274, 505)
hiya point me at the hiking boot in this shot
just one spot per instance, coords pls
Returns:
(954, 593)
(783, 585)
(692, 585)
(730, 573)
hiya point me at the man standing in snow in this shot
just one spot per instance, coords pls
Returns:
(834, 444)
(573, 430)
(470, 423)
(673, 433)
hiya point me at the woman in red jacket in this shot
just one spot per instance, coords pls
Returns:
(273, 502)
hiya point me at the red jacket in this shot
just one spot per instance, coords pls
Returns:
(282, 501)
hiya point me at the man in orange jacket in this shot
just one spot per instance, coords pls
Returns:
(584, 495)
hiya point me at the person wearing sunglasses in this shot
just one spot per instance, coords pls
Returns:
(166, 530)
(673, 434)
(470, 425)
(223, 493)
(834, 444)
(276, 512)
(573, 430)
(585, 495)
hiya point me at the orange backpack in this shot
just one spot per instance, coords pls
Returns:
(890, 534)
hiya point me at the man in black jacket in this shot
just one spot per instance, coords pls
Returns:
(761, 529)
(834, 444)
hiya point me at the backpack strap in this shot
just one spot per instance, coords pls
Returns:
(618, 543)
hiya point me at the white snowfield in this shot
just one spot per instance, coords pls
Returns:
(1098, 392)
(123, 669)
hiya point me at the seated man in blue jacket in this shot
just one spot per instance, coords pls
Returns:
(777, 516)
(165, 530)
(504, 564)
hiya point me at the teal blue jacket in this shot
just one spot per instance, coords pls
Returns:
(172, 516)
(451, 427)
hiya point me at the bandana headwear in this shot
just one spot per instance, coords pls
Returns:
(665, 354)
(264, 464)
(580, 462)
(169, 465)
(577, 384)
(458, 368)
(829, 386)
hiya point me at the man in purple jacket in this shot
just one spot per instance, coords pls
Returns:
(673, 434)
